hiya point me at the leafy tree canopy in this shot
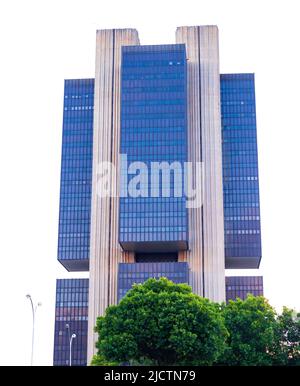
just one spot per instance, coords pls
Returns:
(251, 326)
(162, 323)
(287, 343)
(159, 322)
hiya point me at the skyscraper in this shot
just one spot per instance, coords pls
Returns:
(158, 108)
(76, 175)
(240, 172)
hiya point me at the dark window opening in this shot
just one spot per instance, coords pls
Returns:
(156, 257)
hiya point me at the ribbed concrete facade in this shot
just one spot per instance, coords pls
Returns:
(105, 252)
(206, 228)
(170, 97)
(206, 224)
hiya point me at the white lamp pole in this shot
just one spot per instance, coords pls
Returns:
(34, 308)
(73, 336)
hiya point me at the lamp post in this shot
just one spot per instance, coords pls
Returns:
(34, 308)
(73, 336)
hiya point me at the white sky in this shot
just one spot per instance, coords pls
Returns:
(44, 42)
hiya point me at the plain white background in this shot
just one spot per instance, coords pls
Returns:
(44, 42)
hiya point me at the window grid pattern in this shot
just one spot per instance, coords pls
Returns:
(241, 286)
(240, 167)
(154, 129)
(76, 171)
(130, 274)
(71, 308)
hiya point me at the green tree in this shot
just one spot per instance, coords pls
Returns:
(162, 323)
(287, 343)
(99, 360)
(251, 324)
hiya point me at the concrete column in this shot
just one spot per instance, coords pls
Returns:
(206, 224)
(105, 252)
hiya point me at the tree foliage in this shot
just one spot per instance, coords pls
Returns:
(100, 360)
(251, 325)
(162, 323)
(287, 343)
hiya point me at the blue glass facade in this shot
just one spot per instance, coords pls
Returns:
(154, 129)
(76, 175)
(240, 172)
(136, 273)
(71, 308)
(241, 286)
(149, 100)
(151, 89)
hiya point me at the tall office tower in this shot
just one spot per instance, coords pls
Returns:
(241, 286)
(240, 172)
(76, 175)
(158, 105)
(71, 315)
(144, 98)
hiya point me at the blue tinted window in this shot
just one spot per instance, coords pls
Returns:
(71, 308)
(153, 129)
(241, 286)
(130, 274)
(240, 167)
(76, 172)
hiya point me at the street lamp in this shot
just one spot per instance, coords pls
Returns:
(73, 336)
(34, 308)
